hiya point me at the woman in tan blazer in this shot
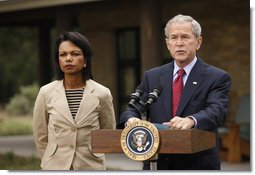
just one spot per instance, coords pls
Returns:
(66, 110)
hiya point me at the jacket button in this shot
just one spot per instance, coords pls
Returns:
(73, 129)
(71, 146)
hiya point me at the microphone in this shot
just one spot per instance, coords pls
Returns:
(152, 97)
(135, 97)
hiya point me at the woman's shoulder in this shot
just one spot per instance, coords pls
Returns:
(97, 85)
(51, 85)
(98, 88)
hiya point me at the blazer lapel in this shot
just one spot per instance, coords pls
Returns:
(88, 104)
(60, 102)
(166, 81)
(193, 82)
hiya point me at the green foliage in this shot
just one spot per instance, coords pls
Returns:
(19, 104)
(9, 161)
(23, 103)
(18, 59)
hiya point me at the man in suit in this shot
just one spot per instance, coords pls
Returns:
(203, 99)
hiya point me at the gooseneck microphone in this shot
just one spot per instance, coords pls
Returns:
(135, 98)
(152, 97)
(142, 106)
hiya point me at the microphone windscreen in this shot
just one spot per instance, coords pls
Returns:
(159, 88)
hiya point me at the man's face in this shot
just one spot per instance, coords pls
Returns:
(182, 44)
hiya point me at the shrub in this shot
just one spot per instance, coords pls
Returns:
(23, 103)
(10, 161)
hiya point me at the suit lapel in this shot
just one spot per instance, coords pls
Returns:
(88, 104)
(166, 81)
(193, 82)
(60, 102)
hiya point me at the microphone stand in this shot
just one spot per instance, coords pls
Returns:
(143, 107)
(153, 162)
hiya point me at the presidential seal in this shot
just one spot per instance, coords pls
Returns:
(140, 140)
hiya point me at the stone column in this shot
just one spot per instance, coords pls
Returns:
(150, 23)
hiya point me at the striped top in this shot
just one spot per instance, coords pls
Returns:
(74, 97)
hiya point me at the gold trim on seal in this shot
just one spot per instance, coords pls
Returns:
(140, 126)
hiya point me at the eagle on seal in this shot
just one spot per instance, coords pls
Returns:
(139, 140)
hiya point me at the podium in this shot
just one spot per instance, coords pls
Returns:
(171, 141)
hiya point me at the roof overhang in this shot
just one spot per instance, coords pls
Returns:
(16, 5)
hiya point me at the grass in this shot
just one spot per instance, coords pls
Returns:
(19, 125)
(10, 161)
(15, 125)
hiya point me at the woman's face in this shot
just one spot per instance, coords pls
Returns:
(71, 58)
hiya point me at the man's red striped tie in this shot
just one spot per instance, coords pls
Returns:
(177, 91)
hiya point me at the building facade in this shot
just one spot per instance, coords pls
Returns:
(127, 37)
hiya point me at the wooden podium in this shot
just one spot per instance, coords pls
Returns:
(171, 141)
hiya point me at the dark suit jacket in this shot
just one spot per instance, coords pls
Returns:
(205, 97)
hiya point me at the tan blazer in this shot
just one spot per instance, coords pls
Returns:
(62, 141)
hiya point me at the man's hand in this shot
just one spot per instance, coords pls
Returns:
(180, 123)
(131, 120)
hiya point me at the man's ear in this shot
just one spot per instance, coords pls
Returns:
(167, 44)
(199, 42)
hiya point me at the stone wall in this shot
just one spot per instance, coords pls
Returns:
(225, 30)
(226, 39)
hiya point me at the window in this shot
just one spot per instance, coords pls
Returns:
(128, 58)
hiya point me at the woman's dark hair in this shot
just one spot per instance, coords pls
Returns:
(81, 42)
